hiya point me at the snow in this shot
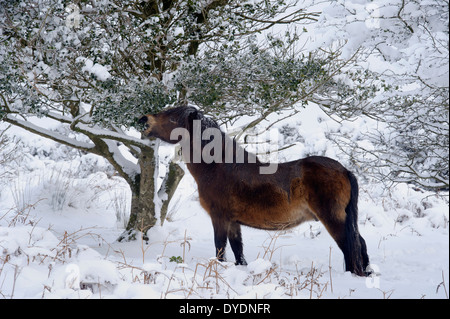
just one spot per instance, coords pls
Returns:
(100, 71)
(58, 231)
(53, 134)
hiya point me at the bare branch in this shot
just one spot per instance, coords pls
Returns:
(87, 147)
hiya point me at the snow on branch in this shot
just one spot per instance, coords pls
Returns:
(128, 167)
(107, 134)
(89, 147)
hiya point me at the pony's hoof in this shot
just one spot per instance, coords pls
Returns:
(372, 271)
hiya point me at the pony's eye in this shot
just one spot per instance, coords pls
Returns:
(172, 120)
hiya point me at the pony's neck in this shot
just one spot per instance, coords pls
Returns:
(211, 149)
(220, 150)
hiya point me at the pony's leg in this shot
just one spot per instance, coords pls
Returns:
(220, 238)
(335, 225)
(349, 241)
(365, 256)
(235, 238)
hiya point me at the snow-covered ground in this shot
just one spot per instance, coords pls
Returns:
(60, 215)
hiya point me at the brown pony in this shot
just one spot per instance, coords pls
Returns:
(235, 193)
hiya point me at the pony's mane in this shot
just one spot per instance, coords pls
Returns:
(184, 115)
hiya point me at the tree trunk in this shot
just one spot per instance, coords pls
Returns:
(143, 212)
(168, 187)
(147, 206)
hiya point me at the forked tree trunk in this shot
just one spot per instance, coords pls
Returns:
(147, 206)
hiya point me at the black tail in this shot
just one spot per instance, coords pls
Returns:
(355, 250)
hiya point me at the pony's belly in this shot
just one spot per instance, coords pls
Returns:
(294, 217)
(275, 219)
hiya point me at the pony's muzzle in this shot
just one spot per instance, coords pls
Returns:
(143, 119)
(147, 121)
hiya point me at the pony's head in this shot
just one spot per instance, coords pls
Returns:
(162, 124)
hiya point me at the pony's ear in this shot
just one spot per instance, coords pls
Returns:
(195, 115)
